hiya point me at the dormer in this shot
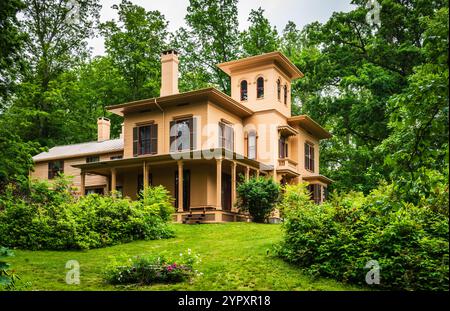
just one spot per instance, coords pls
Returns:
(263, 82)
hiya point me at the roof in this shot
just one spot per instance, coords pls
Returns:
(83, 149)
(310, 125)
(321, 178)
(273, 57)
(157, 103)
(102, 166)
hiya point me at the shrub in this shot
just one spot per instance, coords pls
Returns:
(7, 277)
(258, 196)
(337, 239)
(149, 270)
(47, 218)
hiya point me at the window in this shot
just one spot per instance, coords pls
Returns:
(279, 89)
(145, 139)
(92, 159)
(244, 91)
(226, 136)
(260, 87)
(309, 157)
(315, 191)
(251, 145)
(285, 94)
(182, 134)
(117, 157)
(282, 148)
(55, 168)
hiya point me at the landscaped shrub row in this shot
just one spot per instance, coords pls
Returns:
(41, 218)
(338, 238)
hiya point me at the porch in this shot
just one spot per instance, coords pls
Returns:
(203, 189)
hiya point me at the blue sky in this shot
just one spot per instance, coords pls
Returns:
(279, 12)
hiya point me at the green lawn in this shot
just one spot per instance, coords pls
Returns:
(234, 257)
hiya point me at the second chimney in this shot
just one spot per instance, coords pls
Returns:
(103, 129)
(169, 73)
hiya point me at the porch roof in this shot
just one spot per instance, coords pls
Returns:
(310, 125)
(321, 178)
(172, 158)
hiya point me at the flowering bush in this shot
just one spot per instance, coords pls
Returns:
(150, 270)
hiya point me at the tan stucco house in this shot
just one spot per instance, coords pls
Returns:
(198, 144)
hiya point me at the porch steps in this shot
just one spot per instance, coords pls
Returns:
(191, 219)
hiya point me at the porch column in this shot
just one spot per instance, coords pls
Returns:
(180, 186)
(257, 173)
(247, 173)
(145, 175)
(83, 183)
(219, 184)
(113, 182)
(233, 185)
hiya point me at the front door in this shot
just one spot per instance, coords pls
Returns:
(226, 192)
(186, 189)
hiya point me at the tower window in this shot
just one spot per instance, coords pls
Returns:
(279, 89)
(244, 92)
(260, 87)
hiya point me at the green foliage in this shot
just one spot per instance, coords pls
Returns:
(7, 278)
(153, 269)
(258, 196)
(160, 200)
(49, 217)
(134, 45)
(260, 37)
(336, 239)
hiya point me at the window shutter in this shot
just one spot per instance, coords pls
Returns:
(173, 135)
(50, 170)
(286, 151)
(135, 141)
(312, 159)
(306, 156)
(154, 139)
(193, 130)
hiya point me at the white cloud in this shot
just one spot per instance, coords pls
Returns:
(279, 12)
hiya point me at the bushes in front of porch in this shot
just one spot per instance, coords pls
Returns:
(35, 215)
(258, 196)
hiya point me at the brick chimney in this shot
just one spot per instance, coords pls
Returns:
(103, 129)
(169, 73)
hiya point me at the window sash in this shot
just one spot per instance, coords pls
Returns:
(176, 143)
(147, 139)
(251, 145)
(244, 90)
(260, 87)
(55, 167)
(309, 157)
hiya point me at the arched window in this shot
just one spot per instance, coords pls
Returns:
(285, 94)
(244, 93)
(251, 145)
(260, 87)
(279, 89)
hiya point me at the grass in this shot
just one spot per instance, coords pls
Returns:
(235, 256)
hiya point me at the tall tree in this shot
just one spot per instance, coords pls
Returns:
(10, 43)
(56, 41)
(260, 37)
(211, 38)
(353, 68)
(134, 45)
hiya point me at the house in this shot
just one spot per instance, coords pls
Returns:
(198, 144)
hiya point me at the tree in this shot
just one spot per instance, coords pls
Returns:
(211, 38)
(259, 197)
(11, 41)
(56, 41)
(260, 37)
(134, 46)
(353, 69)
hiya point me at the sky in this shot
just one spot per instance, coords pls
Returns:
(279, 12)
